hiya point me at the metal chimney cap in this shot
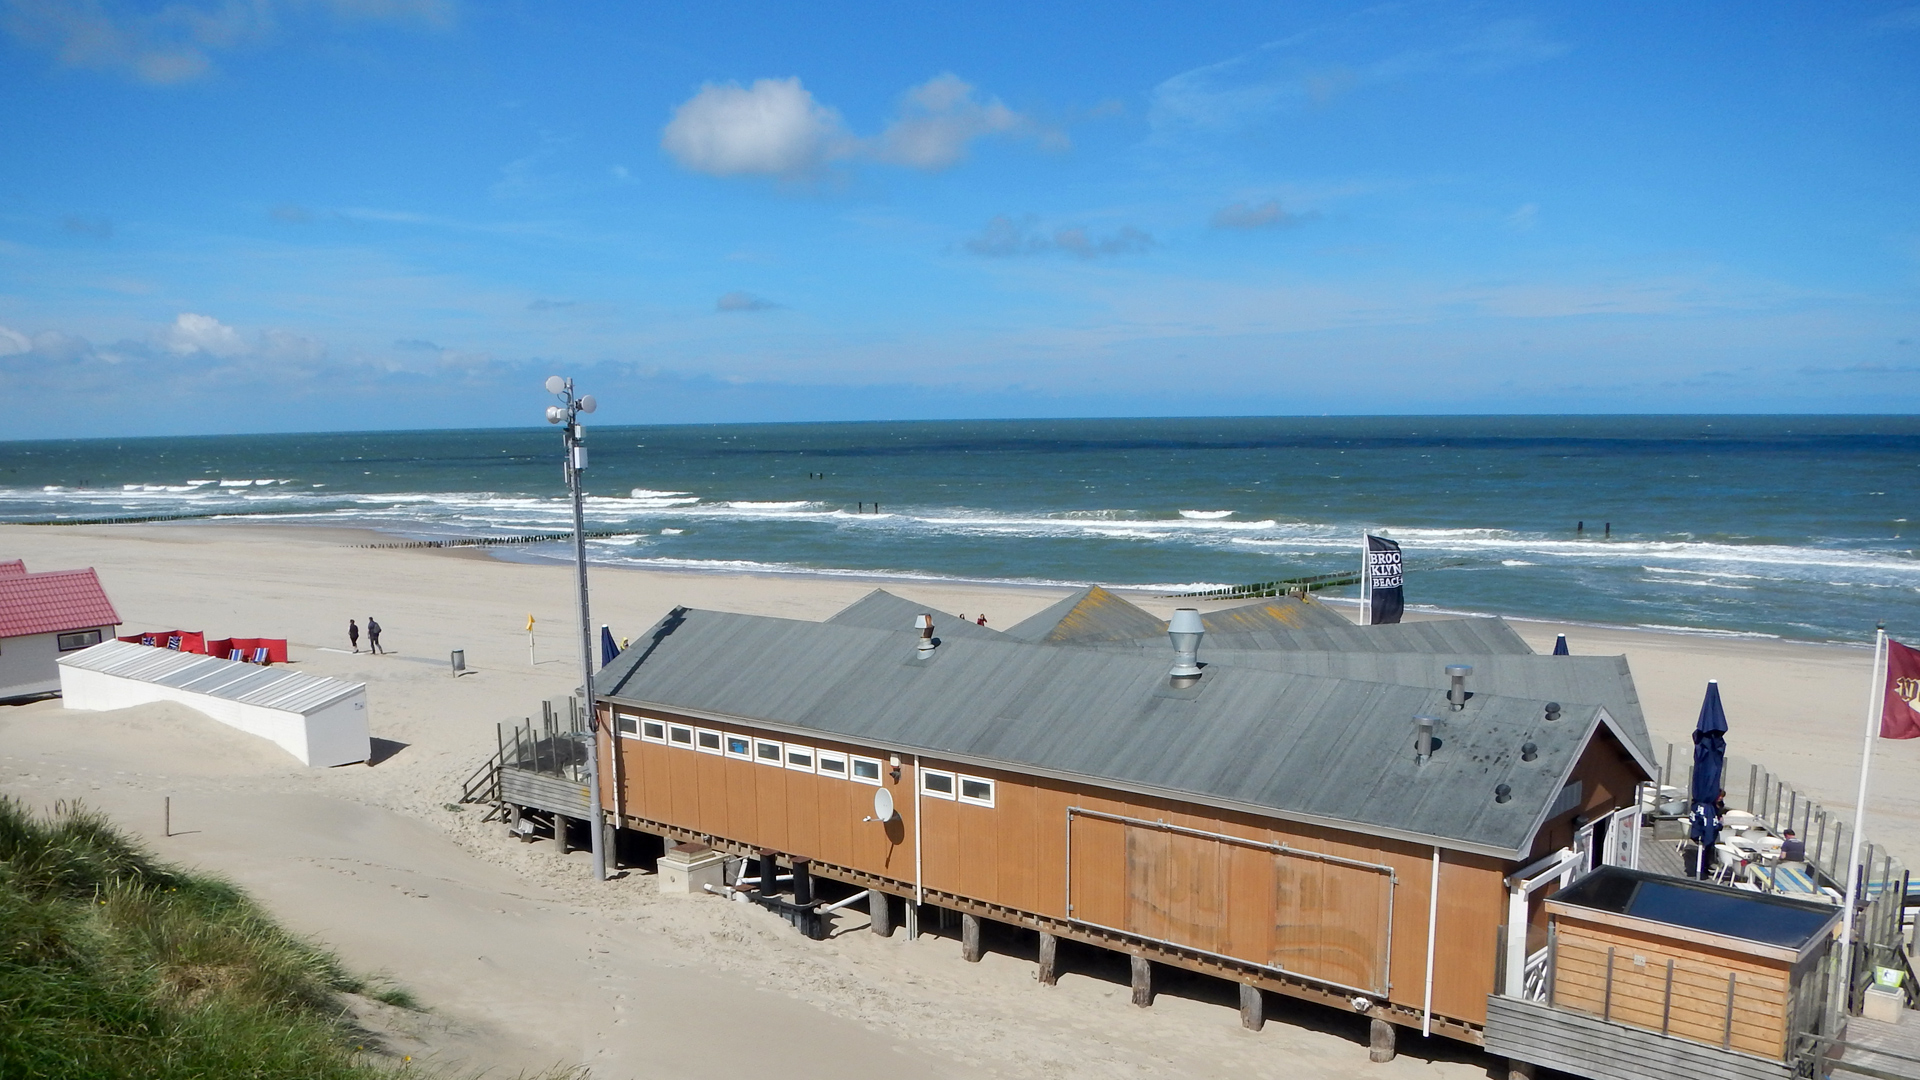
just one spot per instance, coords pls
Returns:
(923, 622)
(1459, 671)
(1186, 620)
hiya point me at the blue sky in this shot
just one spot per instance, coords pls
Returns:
(342, 214)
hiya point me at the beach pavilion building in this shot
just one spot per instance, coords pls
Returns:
(44, 616)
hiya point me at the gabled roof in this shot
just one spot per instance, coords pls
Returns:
(1337, 752)
(882, 610)
(1089, 614)
(1279, 613)
(268, 687)
(12, 567)
(1465, 637)
(50, 602)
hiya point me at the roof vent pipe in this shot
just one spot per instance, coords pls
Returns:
(1457, 693)
(1553, 710)
(924, 623)
(1422, 738)
(1185, 629)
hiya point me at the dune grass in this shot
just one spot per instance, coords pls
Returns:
(114, 965)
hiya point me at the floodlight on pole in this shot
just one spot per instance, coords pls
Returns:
(568, 413)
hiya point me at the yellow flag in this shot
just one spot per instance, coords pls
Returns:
(529, 624)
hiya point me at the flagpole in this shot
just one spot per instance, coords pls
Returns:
(1366, 581)
(1876, 701)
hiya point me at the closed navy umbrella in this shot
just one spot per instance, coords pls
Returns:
(1560, 646)
(607, 649)
(1709, 767)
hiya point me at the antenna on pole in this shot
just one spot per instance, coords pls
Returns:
(568, 413)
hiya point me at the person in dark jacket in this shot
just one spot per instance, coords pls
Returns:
(353, 634)
(373, 636)
(1792, 848)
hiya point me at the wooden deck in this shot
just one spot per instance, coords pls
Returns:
(1881, 1050)
(1591, 1047)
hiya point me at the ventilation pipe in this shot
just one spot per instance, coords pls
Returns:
(924, 624)
(1422, 738)
(1185, 630)
(1553, 710)
(1457, 693)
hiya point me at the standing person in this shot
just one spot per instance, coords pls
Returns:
(982, 620)
(353, 634)
(373, 636)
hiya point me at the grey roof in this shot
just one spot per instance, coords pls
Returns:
(1089, 614)
(251, 684)
(1303, 747)
(1278, 613)
(882, 610)
(1464, 637)
(1588, 680)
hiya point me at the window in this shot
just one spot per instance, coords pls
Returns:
(976, 791)
(653, 730)
(766, 753)
(1568, 800)
(680, 736)
(800, 757)
(832, 764)
(738, 746)
(707, 742)
(79, 639)
(936, 784)
(627, 725)
(866, 770)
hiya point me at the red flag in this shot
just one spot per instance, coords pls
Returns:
(1900, 715)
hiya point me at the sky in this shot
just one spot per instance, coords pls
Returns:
(277, 215)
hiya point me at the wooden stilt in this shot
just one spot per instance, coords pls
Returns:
(913, 921)
(1519, 1070)
(1049, 972)
(970, 938)
(1142, 981)
(880, 912)
(1253, 1007)
(560, 823)
(1380, 1041)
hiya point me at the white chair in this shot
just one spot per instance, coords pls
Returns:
(1733, 864)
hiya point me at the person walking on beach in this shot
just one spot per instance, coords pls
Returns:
(353, 634)
(373, 636)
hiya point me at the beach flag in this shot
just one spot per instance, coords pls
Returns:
(1385, 601)
(1900, 713)
(529, 624)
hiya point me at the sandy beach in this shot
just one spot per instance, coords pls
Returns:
(525, 964)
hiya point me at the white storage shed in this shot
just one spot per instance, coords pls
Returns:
(321, 721)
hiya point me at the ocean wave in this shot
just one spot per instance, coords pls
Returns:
(1206, 515)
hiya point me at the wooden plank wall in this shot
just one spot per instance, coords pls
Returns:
(1700, 973)
(1586, 1046)
(1014, 854)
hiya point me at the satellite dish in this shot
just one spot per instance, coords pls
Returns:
(587, 404)
(883, 806)
(555, 384)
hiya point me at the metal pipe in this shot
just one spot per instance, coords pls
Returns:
(1433, 922)
(838, 904)
(919, 891)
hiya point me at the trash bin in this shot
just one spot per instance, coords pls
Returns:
(459, 662)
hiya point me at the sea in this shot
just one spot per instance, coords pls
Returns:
(1779, 526)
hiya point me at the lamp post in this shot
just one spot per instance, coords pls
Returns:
(568, 413)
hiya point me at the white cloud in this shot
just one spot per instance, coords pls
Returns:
(192, 333)
(1524, 218)
(742, 301)
(773, 128)
(777, 128)
(1248, 216)
(1003, 237)
(13, 342)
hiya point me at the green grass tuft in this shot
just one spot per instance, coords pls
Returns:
(114, 965)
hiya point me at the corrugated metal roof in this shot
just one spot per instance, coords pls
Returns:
(1279, 613)
(52, 601)
(1338, 751)
(1467, 637)
(1090, 614)
(268, 687)
(1587, 680)
(882, 610)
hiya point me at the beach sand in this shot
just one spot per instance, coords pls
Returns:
(525, 963)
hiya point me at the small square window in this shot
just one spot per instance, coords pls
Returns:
(976, 791)
(866, 770)
(738, 746)
(707, 742)
(833, 764)
(680, 736)
(627, 725)
(936, 784)
(653, 730)
(800, 757)
(766, 753)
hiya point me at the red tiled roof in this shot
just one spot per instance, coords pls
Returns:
(13, 568)
(49, 602)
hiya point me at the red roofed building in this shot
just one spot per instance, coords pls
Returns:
(42, 616)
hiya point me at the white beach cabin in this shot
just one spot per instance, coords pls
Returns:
(45, 616)
(321, 721)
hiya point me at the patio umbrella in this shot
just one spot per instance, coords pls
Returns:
(1560, 646)
(607, 649)
(1709, 765)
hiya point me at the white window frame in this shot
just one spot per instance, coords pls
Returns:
(853, 773)
(726, 746)
(820, 758)
(719, 747)
(620, 720)
(661, 724)
(779, 753)
(813, 757)
(953, 784)
(961, 792)
(688, 743)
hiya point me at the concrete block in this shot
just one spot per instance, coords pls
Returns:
(686, 869)
(1883, 1004)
